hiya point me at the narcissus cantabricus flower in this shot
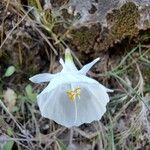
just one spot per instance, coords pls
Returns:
(71, 98)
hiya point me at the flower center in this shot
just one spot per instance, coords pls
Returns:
(72, 94)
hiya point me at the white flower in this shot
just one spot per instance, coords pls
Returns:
(71, 98)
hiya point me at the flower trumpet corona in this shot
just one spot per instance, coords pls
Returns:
(71, 98)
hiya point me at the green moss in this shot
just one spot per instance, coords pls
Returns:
(58, 3)
(125, 21)
(84, 38)
(66, 15)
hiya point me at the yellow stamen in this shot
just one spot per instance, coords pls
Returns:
(73, 94)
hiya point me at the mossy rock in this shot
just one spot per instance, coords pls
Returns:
(121, 24)
(84, 38)
(56, 3)
(126, 20)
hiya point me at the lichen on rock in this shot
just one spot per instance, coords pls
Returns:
(117, 20)
(85, 38)
(125, 22)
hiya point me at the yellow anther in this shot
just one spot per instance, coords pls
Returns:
(73, 94)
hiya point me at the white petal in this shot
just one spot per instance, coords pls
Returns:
(68, 78)
(56, 105)
(100, 93)
(43, 77)
(109, 90)
(88, 66)
(70, 66)
(62, 62)
(92, 104)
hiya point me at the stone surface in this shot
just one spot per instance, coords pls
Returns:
(99, 24)
(103, 7)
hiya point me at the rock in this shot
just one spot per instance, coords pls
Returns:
(99, 24)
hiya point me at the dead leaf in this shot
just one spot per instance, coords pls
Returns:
(10, 99)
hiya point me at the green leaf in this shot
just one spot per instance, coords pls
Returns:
(30, 94)
(62, 145)
(8, 145)
(15, 109)
(10, 70)
(10, 131)
(28, 90)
